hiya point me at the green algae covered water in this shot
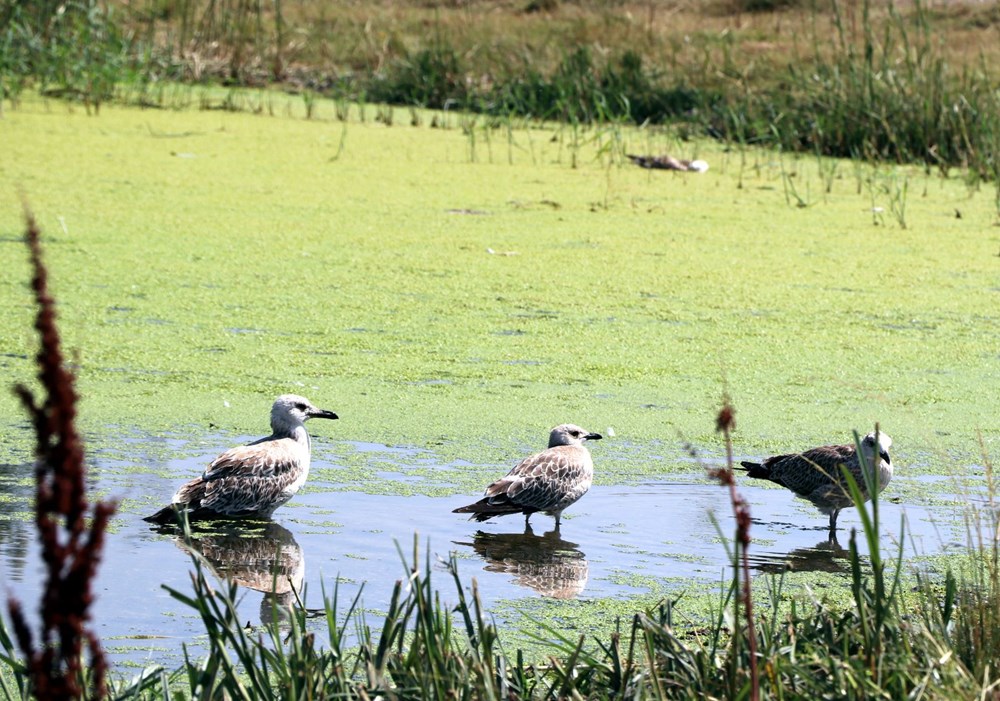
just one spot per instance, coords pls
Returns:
(453, 293)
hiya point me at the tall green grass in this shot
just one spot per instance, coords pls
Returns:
(76, 50)
(893, 97)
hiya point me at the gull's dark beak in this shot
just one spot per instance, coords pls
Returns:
(593, 437)
(322, 414)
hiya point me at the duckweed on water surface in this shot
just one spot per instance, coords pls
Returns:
(206, 261)
(451, 310)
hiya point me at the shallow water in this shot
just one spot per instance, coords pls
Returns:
(611, 542)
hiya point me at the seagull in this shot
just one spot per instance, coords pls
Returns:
(815, 474)
(252, 480)
(548, 481)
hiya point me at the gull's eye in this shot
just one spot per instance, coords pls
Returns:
(301, 407)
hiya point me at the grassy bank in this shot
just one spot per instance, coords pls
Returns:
(865, 81)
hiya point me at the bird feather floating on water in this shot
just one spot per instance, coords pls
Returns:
(815, 475)
(549, 481)
(255, 479)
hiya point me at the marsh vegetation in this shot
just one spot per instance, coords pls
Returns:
(930, 635)
(437, 228)
(867, 80)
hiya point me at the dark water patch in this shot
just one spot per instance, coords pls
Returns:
(798, 534)
(914, 325)
(579, 244)
(17, 489)
(825, 556)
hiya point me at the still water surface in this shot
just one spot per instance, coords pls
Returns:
(613, 538)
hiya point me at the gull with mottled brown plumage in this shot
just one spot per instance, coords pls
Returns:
(252, 480)
(816, 476)
(549, 481)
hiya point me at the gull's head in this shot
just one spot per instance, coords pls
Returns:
(882, 440)
(570, 434)
(291, 410)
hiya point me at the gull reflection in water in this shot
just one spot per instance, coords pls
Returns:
(546, 563)
(825, 556)
(262, 556)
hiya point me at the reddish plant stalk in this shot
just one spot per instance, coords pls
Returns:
(726, 422)
(70, 550)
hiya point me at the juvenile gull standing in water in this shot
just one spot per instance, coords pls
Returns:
(254, 479)
(548, 481)
(815, 474)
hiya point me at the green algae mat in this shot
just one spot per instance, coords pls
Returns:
(464, 288)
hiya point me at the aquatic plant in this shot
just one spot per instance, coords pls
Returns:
(74, 50)
(725, 422)
(70, 547)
